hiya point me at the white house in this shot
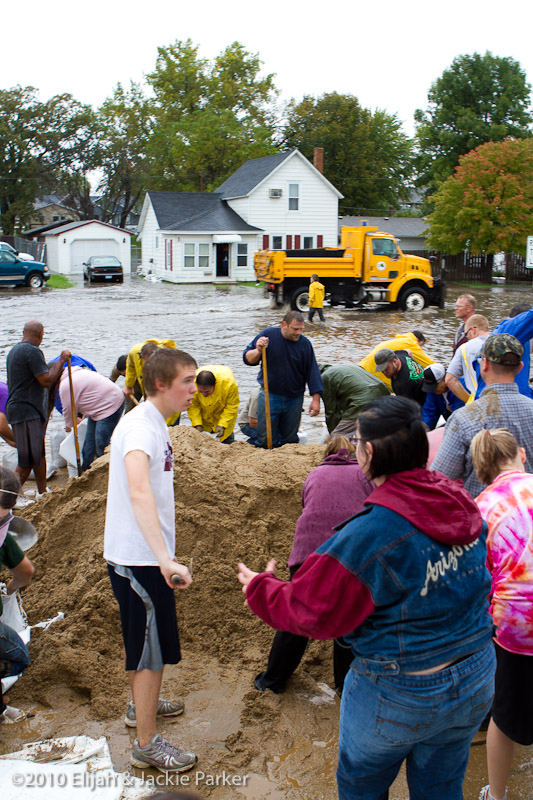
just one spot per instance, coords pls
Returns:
(70, 245)
(277, 202)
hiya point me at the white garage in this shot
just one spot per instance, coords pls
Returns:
(69, 246)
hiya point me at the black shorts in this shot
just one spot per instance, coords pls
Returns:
(148, 616)
(29, 439)
(512, 710)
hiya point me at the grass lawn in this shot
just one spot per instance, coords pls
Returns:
(59, 282)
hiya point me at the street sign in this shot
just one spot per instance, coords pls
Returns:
(529, 252)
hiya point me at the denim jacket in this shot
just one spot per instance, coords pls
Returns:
(417, 585)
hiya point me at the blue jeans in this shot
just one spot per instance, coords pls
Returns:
(98, 436)
(285, 415)
(13, 650)
(427, 720)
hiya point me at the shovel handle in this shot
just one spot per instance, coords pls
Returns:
(176, 579)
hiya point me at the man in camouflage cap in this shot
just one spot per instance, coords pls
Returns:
(500, 405)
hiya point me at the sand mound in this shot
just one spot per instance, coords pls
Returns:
(232, 503)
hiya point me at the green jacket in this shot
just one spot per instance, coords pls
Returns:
(346, 390)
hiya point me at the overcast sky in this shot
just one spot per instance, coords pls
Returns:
(385, 53)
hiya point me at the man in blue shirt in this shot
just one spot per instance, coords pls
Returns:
(291, 364)
(520, 325)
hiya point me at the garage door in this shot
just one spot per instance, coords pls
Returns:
(82, 249)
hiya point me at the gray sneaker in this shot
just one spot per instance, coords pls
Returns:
(162, 755)
(165, 708)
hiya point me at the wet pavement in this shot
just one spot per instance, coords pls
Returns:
(214, 324)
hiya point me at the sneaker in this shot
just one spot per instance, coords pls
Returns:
(162, 755)
(165, 708)
(38, 495)
(11, 714)
(486, 795)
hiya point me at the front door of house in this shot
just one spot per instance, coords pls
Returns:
(222, 260)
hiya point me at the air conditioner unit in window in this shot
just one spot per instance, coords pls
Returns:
(276, 192)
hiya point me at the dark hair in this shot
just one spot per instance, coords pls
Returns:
(399, 441)
(314, 276)
(10, 482)
(205, 378)
(293, 316)
(164, 366)
(121, 363)
(147, 350)
(420, 336)
(519, 308)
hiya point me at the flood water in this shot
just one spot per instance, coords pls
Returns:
(214, 324)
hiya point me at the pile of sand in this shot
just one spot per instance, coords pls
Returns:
(232, 503)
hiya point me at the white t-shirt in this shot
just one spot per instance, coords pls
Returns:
(462, 364)
(144, 429)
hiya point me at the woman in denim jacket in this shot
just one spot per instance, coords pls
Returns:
(405, 583)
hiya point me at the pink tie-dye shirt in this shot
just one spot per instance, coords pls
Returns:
(507, 506)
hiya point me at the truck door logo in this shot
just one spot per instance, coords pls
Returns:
(381, 265)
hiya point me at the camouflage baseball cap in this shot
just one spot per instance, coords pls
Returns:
(502, 348)
(382, 358)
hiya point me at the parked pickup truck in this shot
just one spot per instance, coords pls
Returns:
(14, 271)
(367, 267)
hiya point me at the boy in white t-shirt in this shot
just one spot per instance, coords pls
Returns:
(139, 546)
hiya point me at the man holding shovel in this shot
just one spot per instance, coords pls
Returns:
(139, 546)
(291, 365)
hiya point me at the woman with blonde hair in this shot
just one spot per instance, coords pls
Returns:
(507, 506)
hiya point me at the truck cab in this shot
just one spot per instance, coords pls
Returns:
(15, 271)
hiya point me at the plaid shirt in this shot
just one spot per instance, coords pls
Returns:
(500, 405)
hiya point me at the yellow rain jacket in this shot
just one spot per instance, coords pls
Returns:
(316, 295)
(402, 341)
(135, 365)
(220, 407)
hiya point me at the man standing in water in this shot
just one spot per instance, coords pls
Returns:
(139, 546)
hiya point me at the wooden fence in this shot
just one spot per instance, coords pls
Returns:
(468, 268)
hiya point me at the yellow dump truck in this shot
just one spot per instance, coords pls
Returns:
(367, 267)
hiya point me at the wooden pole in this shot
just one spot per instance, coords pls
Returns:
(267, 400)
(74, 419)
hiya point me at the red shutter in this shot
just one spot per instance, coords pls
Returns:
(289, 242)
(265, 241)
(319, 241)
(166, 253)
(171, 248)
(296, 242)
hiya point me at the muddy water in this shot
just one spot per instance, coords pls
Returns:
(214, 324)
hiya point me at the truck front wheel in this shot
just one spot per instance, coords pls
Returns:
(35, 280)
(300, 299)
(414, 299)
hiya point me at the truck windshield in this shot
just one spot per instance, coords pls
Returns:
(385, 247)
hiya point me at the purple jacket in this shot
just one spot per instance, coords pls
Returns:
(332, 492)
(3, 397)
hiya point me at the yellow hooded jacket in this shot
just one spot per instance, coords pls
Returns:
(316, 294)
(220, 407)
(402, 341)
(135, 365)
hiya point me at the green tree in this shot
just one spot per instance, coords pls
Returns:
(126, 122)
(38, 142)
(208, 117)
(478, 99)
(487, 206)
(366, 155)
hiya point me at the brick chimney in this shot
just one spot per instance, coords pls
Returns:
(318, 159)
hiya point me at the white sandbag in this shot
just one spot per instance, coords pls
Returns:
(56, 438)
(67, 448)
(70, 767)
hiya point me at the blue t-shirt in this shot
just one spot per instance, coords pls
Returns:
(291, 365)
(521, 327)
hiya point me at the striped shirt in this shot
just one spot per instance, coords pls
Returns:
(500, 405)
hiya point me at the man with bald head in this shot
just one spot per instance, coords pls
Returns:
(28, 378)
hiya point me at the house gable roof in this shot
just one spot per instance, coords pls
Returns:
(70, 225)
(196, 211)
(398, 226)
(252, 173)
